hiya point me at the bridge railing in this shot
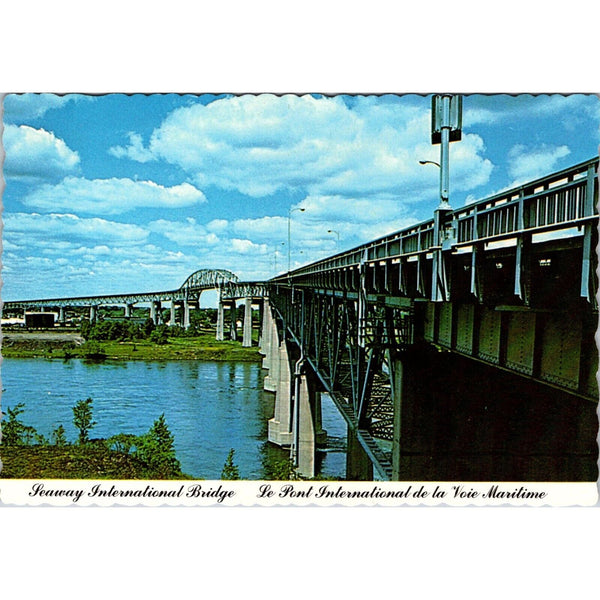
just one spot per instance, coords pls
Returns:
(562, 200)
(559, 201)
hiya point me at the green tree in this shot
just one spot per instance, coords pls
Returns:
(15, 432)
(159, 335)
(58, 436)
(156, 449)
(93, 350)
(282, 469)
(13, 429)
(85, 329)
(148, 327)
(230, 470)
(82, 419)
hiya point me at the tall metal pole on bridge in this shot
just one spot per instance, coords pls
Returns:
(446, 122)
(290, 234)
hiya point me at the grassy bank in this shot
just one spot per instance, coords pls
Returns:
(91, 461)
(203, 347)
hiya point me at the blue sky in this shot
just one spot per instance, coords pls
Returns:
(117, 193)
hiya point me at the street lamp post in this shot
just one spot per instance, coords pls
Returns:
(275, 256)
(290, 234)
(336, 233)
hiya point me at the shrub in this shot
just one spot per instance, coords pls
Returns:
(58, 436)
(82, 419)
(230, 470)
(93, 350)
(15, 432)
(156, 449)
(159, 336)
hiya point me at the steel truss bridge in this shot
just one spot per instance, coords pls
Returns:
(192, 287)
(461, 347)
(415, 328)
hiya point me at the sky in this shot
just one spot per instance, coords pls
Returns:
(116, 193)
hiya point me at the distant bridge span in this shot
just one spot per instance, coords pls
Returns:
(184, 298)
(192, 287)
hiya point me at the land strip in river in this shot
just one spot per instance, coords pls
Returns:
(70, 344)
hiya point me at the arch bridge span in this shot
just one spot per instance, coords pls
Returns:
(181, 300)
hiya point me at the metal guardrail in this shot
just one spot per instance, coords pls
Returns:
(558, 201)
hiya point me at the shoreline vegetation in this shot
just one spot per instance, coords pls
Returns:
(69, 344)
(27, 454)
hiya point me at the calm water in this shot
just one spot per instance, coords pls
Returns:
(210, 407)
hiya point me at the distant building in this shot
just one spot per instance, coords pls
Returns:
(13, 321)
(39, 320)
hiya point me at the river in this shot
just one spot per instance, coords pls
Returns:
(210, 407)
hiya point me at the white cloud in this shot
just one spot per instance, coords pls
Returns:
(33, 229)
(134, 151)
(24, 107)
(111, 196)
(247, 247)
(528, 163)
(507, 108)
(188, 233)
(261, 144)
(36, 154)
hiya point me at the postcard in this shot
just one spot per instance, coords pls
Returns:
(299, 299)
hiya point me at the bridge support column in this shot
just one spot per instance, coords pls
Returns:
(155, 311)
(186, 314)
(247, 337)
(265, 333)
(271, 361)
(128, 308)
(220, 322)
(304, 443)
(280, 426)
(402, 374)
(320, 433)
(93, 312)
(358, 465)
(173, 319)
(261, 316)
(232, 322)
(61, 314)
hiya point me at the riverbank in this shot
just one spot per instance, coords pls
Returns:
(92, 461)
(64, 345)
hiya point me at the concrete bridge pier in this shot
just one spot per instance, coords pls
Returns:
(280, 426)
(304, 443)
(358, 464)
(233, 321)
(173, 318)
(308, 432)
(265, 333)
(403, 369)
(261, 316)
(93, 313)
(186, 314)
(272, 354)
(128, 308)
(61, 314)
(220, 321)
(155, 314)
(247, 333)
